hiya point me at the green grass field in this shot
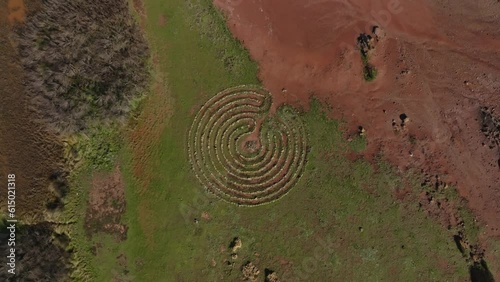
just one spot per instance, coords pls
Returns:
(340, 222)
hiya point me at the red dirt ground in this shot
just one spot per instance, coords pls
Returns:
(438, 63)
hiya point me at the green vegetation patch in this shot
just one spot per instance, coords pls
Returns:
(365, 45)
(369, 72)
(99, 146)
(339, 222)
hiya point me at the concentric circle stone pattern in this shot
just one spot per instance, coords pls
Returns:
(241, 152)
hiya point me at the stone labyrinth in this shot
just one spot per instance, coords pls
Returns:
(242, 153)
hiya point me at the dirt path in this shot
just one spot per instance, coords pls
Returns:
(438, 64)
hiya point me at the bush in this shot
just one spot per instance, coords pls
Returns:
(99, 147)
(84, 60)
(369, 72)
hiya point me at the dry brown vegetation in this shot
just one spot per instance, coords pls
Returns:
(85, 62)
(41, 254)
(75, 64)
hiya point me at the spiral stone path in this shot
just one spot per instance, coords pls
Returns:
(241, 153)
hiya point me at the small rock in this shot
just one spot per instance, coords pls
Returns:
(403, 117)
(378, 32)
(234, 256)
(235, 244)
(272, 277)
(361, 131)
(250, 272)
(404, 120)
(395, 126)
(405, 72)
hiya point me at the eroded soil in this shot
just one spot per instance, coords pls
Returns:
(106, 205)
(438, 64)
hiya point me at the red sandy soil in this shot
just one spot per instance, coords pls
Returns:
(438, 63)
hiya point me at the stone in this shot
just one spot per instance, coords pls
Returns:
(250, 272)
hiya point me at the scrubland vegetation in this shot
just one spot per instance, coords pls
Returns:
(85, 61)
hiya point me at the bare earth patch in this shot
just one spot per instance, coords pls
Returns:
(435, 66)
(106, 204)
(436, 74)
(17, 10)
(163, 20)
